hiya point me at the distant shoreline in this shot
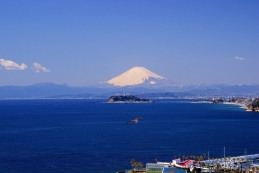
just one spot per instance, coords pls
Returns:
(239, 104)
(243, 106)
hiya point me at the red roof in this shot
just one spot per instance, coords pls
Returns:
(187, 162)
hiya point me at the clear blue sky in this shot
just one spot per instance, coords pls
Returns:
(84, 42)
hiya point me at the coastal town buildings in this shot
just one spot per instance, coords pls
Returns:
(238, 164)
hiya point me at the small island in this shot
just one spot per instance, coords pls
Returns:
(128, 99)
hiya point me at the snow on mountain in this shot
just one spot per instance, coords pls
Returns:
(135, 76)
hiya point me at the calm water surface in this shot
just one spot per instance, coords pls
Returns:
(90, 136)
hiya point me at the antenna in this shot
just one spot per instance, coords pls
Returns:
(224, 159)
(224, 152)
(245, 152)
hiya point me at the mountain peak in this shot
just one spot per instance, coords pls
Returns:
(135, 76)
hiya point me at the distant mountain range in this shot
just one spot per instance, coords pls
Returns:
(136, 81)
(50, 90)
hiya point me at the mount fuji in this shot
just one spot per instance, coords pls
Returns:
(137, 76)
(137, 80)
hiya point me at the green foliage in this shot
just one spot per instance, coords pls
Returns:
(135, 164)
(257, 103)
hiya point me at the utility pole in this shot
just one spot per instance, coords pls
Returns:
(224, 159)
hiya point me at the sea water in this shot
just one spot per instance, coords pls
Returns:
(92, 136)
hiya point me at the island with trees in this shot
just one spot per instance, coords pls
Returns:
(128, 99)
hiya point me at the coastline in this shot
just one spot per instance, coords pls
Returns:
(243, 106)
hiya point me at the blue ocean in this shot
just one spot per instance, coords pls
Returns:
(91, 136)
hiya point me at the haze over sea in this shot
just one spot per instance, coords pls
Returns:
(90, 136)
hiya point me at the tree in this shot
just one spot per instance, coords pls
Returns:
(202, 164)
(183, 156)
(133, 163)
(241, 163)
(194, 169)
(204, 155)
(217, 167)
(201, 158)
(139, 164)
(229, 163)
(253, 169)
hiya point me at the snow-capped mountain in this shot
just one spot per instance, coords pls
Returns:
(136, 76)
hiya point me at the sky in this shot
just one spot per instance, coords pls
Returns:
(84, 42)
